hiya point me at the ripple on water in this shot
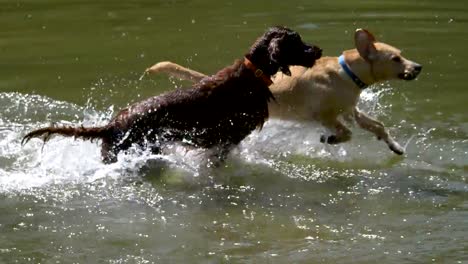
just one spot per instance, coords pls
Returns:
(281, 195)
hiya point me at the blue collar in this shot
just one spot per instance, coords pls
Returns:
(350, 73)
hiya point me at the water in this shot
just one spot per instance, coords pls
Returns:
(282, 197)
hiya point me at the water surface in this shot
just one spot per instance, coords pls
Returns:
(282, 197)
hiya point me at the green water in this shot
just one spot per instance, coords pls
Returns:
(283, 197)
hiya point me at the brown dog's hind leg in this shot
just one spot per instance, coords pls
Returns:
(108, 152)
(218, 155)
(377, 128)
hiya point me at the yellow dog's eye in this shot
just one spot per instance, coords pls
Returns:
(396, 58)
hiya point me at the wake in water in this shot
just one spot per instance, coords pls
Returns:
(287, 147)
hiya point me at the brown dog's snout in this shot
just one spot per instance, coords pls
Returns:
(317, 52)
(314, 50)
(312, 53)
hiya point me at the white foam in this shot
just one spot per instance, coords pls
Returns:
(65, 160)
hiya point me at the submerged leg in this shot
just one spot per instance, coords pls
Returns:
(108, 152)
(220, 154)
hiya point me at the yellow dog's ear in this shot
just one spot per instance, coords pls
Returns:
(364, 42)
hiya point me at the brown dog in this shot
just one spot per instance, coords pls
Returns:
(218, 112)
(331, 88)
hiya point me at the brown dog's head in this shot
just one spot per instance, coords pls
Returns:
(386, 61)
(281, 47)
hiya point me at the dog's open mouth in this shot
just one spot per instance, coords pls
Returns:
(408, 76)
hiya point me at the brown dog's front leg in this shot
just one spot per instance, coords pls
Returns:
(377, 128)
(175, 70)
(342, 133)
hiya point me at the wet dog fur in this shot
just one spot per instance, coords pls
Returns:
(217, 112)
(325, 93)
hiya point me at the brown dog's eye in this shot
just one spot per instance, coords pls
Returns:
(396, 59)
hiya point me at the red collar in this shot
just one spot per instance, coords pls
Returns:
(258, 72)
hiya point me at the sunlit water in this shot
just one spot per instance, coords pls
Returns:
(281, 197)
(67, 160)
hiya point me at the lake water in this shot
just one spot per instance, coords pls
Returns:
(282, 197)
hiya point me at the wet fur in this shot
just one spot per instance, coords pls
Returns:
(325, 93)
(218, 111)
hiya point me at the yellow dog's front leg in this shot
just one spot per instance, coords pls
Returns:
(377, 128)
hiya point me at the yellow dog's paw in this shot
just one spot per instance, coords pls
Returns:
(395, 147)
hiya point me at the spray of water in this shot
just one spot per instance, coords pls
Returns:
(287, 147)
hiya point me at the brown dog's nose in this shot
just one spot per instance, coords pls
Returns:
(418, 67)
(317, 52)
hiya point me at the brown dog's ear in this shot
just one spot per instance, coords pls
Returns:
(274, 50)
(275, 55)
(364, 41)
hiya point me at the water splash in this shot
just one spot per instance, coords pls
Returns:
(286, 147)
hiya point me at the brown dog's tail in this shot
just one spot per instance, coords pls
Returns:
(89, 133)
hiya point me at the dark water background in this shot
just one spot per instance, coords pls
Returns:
(283, 197)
